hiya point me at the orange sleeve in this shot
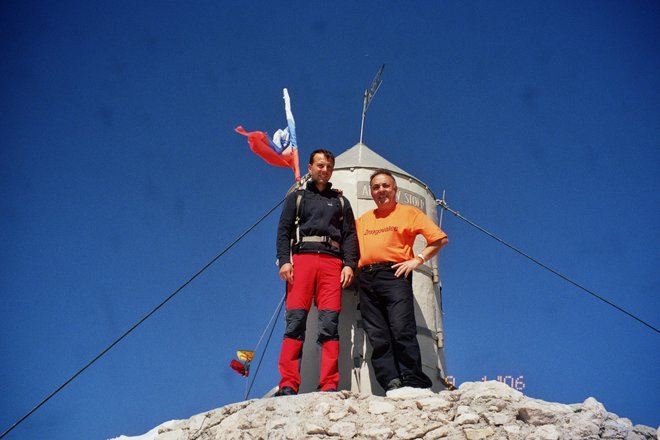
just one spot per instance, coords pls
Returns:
(427, 227)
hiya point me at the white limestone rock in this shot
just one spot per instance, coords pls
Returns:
(466, 415)
(491, 389)
(479, 434)
(538, 412)
(512, 432)
(343, 429)
(499, 419)
(433, 403)
(376, 433)
(545, 432)
(616, 429)
(380, 407)
(475, 411)
(641, 432)
(437, 433)
(408, 393)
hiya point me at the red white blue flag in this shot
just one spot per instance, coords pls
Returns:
(282, 149)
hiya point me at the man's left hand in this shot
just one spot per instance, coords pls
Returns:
(346, 277)
(405, 267)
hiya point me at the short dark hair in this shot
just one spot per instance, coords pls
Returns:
(328, 155)
(380, 171)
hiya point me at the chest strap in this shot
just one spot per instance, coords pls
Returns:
(320, 239)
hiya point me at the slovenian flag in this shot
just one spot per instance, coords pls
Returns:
(282, 149)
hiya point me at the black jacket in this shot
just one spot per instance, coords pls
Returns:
(320, 215)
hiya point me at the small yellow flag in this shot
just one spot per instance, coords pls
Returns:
(245, 355)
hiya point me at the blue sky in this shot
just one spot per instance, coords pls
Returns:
(121, 176)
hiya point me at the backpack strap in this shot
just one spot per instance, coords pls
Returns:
(296, 223)
(341, 203)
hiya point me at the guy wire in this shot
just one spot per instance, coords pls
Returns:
(147, 316)
(443, 205)
(273, 320)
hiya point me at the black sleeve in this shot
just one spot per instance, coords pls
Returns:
(349, 237)
(284, 228)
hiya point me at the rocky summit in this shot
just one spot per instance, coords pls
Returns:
(476, 410)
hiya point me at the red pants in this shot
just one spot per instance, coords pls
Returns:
(314, 275)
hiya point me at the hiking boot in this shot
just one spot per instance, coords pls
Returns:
(285, 391)
(394, 384)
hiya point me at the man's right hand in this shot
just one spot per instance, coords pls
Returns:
(286, 272)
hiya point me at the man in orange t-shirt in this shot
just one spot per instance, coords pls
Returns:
(386, 236)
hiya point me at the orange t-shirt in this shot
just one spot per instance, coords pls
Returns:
(390, 237)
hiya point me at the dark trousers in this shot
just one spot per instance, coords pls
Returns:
(388, 316)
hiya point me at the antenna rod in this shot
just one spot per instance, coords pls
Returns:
(442, 210)
(369, 95)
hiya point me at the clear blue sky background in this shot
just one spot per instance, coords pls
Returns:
(121, 176)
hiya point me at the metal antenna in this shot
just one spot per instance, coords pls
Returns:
(442, 210)
(369, 95)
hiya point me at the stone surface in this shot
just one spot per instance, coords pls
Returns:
(477, 410)
(380, 407)
(406, 393)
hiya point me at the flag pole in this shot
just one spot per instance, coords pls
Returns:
(291, 125)
(369, 95)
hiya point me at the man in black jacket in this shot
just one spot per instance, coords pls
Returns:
(316, 236)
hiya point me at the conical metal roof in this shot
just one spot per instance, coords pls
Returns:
(361, 156)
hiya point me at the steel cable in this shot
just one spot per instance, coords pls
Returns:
(147, 316)
(444, 206)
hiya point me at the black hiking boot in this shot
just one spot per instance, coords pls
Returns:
(285, 391)
(394, 384)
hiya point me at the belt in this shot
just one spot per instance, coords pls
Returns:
(374, 266)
